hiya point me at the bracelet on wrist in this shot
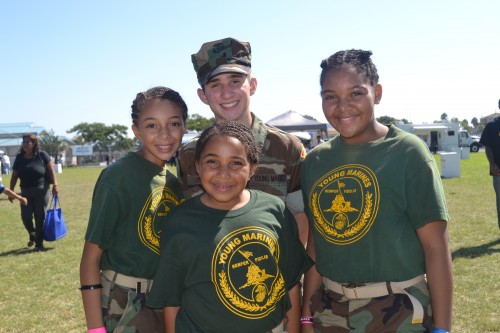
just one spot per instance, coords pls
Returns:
(439, 330)
(305, 320)
(97, 330)
(91, 287)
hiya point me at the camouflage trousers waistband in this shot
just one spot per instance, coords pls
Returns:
(379, 289)
(140, 285)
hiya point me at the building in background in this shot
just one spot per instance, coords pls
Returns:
(11, 137)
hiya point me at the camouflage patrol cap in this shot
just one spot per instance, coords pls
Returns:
(226, 55)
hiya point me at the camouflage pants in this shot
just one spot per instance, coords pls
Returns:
(334, 313)
(124, 311)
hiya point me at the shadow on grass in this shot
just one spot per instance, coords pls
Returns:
(22, 251)
(476, 251)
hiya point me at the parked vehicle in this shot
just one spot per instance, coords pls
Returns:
(475, 145)
(445, 136)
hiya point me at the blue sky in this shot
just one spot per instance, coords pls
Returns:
(66, 62)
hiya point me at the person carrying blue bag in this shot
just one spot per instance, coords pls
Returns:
(54, 227)
(35, 170)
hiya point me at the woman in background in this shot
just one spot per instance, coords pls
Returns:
(36, 172)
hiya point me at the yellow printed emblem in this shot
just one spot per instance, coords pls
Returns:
(245, 272)
(344, 203)
(157, 206)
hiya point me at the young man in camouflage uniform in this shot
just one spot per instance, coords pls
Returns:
(223, 68)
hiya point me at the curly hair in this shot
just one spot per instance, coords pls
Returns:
(233, 129)
(144, 98)
(34, 139)
(358, 59)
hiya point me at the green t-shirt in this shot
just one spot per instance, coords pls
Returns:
(365, 203)
(229, 271)
(131, 200)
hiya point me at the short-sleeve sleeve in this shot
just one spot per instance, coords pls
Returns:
(297, 261)
(168, 285)
(104, 213)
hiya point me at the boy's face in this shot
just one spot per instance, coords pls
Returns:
(228, 95)
(348, 103)
(224, 172)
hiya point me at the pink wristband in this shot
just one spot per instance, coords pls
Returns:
(97, 330)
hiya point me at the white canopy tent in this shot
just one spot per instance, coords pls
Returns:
(293, 121)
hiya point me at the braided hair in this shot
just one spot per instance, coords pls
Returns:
(162, 93)
(358, 59)
(233, 129)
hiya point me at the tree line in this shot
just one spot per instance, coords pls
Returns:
(474, 125)
(104, 138)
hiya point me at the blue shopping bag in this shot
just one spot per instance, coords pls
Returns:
(54, 227)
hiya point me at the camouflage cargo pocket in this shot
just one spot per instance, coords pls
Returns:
(125, 311)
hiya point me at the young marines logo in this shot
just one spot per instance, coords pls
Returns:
(344, 203)
(157, 206)
(245, 272)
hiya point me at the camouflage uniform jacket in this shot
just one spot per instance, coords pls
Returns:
(278, 172)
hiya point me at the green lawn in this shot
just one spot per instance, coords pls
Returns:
(39, 291)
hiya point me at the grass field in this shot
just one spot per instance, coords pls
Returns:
(39, 291)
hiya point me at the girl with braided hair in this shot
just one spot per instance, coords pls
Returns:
(131, 199)
(231, 258)
(378, 216)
